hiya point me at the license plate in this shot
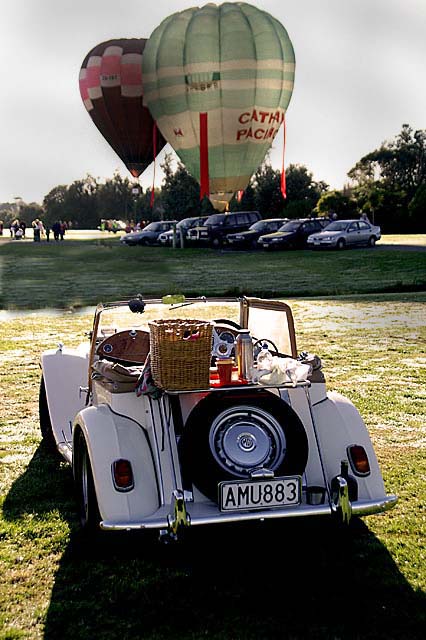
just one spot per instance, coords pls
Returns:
(259, 494)
(316, 241)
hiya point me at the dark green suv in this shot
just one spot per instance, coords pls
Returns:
(218, 225)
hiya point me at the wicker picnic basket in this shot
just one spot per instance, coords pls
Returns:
(181, 353)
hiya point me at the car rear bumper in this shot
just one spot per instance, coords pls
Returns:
(208, 513)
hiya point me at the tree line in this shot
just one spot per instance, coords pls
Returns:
(388, 184)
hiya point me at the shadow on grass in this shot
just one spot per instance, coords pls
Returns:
(268, 580)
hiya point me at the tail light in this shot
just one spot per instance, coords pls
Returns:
(122, 475)
(358, 459)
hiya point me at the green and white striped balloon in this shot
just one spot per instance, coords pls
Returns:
(232, 62)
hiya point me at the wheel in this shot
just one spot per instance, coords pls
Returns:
(45, 423)
(228, 435)
(144, 242)
(372, 241)
(340, 244)
(85, 487)
(216, 243)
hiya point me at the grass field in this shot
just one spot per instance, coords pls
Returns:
(82, 272)
(287, 581)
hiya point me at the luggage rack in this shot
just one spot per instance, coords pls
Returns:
(284, 385)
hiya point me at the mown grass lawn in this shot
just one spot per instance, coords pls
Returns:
(80, 273)
(291, 580)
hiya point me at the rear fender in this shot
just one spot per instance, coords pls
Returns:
(64, 372)
(340, 425)
(109, 437)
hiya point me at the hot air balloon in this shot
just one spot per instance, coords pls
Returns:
(218, 80)
(112, 92)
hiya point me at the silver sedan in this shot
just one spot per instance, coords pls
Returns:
(345, 233)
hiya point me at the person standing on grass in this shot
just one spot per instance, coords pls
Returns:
(36, 230)
(1, 227)
(62, 228)
(56, 228)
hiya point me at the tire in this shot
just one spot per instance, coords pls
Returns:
(216, 243)
(88, 510)
(372, 241)
(46, 429)
(341, 244)
(213, 449)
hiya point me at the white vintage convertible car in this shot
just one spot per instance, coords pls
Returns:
(153, 448)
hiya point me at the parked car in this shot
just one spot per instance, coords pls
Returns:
(293, 234)
(219, 225)
(250, 237)
(346, 233)
(166, 238)
(149, 234)
(157, 443)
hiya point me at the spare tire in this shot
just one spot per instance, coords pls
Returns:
(228, 435)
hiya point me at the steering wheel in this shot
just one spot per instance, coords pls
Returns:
(224, 334)
(257, 346)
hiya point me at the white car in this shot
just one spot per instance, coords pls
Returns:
(266, 443)
(345, 233)
(182, 227)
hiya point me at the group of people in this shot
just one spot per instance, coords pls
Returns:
(40, 231)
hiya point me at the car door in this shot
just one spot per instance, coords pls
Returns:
(364, 232)
(353, 234)
(304, 231)
(242, 222)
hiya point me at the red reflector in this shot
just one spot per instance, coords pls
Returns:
(359, 460)
(122, 474)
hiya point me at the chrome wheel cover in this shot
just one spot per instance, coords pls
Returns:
(243, 438)
(84, 486)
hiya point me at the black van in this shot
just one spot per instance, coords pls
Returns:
(218, 225)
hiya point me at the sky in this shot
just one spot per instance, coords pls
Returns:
(360, 75)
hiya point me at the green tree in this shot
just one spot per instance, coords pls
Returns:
(54, 203)
(417, 210)
(336, 202)
(387, 179)
(115, 199)
(80, 205)
(180, 192)
(266, 185)
(303, 192)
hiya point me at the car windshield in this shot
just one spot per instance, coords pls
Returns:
(290, 226)
(184, 224)
(153, 226)
(337, 226)
(215, 219)
(259, 226)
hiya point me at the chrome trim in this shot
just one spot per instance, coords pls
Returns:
(370, 507)
(65, 449)
(360, 508)
(261, 472)
(156, 454)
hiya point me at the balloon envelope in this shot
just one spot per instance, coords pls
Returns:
(232, 62)
(112, 92)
